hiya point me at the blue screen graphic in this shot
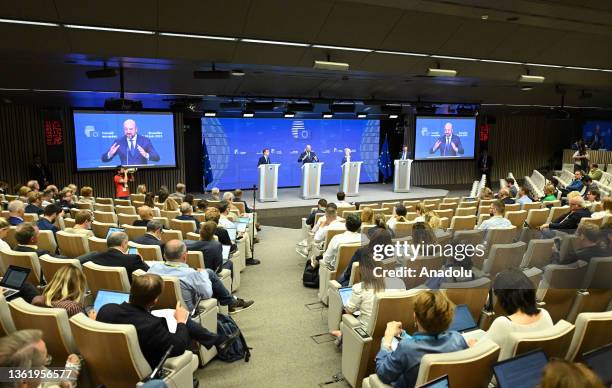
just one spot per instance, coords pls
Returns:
(235, 145)
(101, 139)
(444, 137)
(598, 134)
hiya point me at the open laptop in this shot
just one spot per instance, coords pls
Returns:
(13, 280)
(109, 296)
(232, 233)
(345, 294)
(523, 371)
(244, 220)
(113, 229)
(440, 382)
(241, 226)
(463, 320)
(599, 360)
(226, 252)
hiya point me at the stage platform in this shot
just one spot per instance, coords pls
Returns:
(288, 210)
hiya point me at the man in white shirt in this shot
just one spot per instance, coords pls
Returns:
(497, 220)
(226, 223)
(329, 220)
(523, 197)
(341, 202)
(352, 235)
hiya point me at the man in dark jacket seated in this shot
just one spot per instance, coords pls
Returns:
(567, 223)
(211, 249)
(153, 235)
(587, 246)
(321, 205)
(154, 337)
(186, 211)
(117, 256)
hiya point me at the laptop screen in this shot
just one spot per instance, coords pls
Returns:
(244, 220)
(232, 233)
(440, 382)
(599, 360)
(113, 230)
(15, 277)
(226, 252)
(462, 320)
(107, 296)
(345, 294)
(523, 371)
(240, 226)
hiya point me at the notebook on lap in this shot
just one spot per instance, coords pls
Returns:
(109, 296)
(523, 371)
(13, 280)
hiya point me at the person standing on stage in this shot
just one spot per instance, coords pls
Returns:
(347, 156)
(308, 156)
(132, 148)
(404, 155)
(265, 159)
(121, 179)
(448, 144)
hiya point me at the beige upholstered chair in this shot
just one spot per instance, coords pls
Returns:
(100, 207)
(451, 200)
(501, 236)
(195, 259)
(50, 265)
(403, 229)
(137, 197)
(10, 237)
(513, 207)
(504, 256)
(473, 293)
(417, 265)
(445, 213)
(538, 253)
(105, 217)
(554, 341)
(558, 288)
(537, 217)
(125, 209)
(7, 326)
(72, 245)
(134, 232)
(466, 211)
(331, 232)
(533, 205)
(517, 218)
(122, 202)
(97, 244)
(100, 229)
(53, 322)
(389, 205)
(371, 205)
(46, 241)
(192, 236)
(358, 353)
(127, 218)
(69, 222)
(589, 220)
(168, 235)
(104, 201)
(343, 209)
(482, 218)
(183, 226)
(170, 214)
(148, 252)
(432, 201)
(107, 278)
(25, 260)
(84, 205)
(345, 253)
(164, 220)
(557, 212)
(30, 217)
(114, 358)
(593, 330)
(463, 222)
(137, 204)
(597, 286)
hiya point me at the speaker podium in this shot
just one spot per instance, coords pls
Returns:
(311, 180)
(401, 179)
(351, 172)
(268, 182)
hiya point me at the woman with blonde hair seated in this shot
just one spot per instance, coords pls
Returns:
(429, 216)
(170, 205)
(65, 291)
(549, 193)
(141, 189)
(87, 195)
(367, 216)
(485, 193)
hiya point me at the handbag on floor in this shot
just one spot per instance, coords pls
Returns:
(239, 349)
(310, 277)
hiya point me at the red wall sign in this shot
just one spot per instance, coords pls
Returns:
(54, 133)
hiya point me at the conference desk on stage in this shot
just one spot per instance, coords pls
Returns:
(602, 158)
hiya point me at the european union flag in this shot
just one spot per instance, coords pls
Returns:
(208, 172)
(384, 160)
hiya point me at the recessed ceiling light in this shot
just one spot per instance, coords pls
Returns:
(248, 114)
(393, 116)
(238, 73)
(544, 65)
(29, 22)
(327, 65)
(289, 115)
(433, 72)
(484, 17)
(171, 34)
(526, 88)
(581, 68)
(455, 58)
(322, 46)
(362, 115)
(275, 42)
(328, 115)
(536, 79)
(108, 29)
(502, 62)
(210, 113)
(401, 53)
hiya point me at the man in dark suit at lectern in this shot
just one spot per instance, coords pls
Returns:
(308, 156)
(265, 159)
(404, 155)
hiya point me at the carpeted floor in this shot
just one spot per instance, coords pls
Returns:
(279, 326)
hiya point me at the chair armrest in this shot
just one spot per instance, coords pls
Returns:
(350, 321)
(139, 272)
(334, 285)
(207, 304)
(178, 362)
(375, 382)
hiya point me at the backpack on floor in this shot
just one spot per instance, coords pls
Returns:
(310, 278)
(239, 348)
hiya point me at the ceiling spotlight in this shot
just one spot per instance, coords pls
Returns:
(289, 115)
(433, 72)
(210, 113)
(248, 114)
(535, 79)
(526, 88)
(327, 65)
(362, 115)
(484, 17)
(393, 116)
(238, 72)
(328, 115)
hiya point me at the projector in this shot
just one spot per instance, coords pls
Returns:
(122, 104)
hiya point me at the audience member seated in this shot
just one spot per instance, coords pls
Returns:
(352, 235)
(170, 205)
(215, 194)
(588, 184)
(367, 216)
(606, 208)
(592, 197)
(517, 297)
(16, 210)
(433, 314)
(66, 290)
(398, 216)
(569, 222)
(196, 284)
(153, 335)
(146, 214)
(47, 198)
(380, 237)
(497, 220)
(22, 192)
(211, 249)
(212, 214)
(512, 190)
(47, 221)
(34, 203)
(560, 373)
(523, 196)
(429, 216)
(329, 220)
(180, 191)
(485, 194)
(141, 189)
(595, 173)
(549, 193)
(4, 228)
(341, 202)
(228, 197)
(82, 223)
(238, 198)
(162, 196)
(26, 350)
(4, 186)
(321, 204)
(504, 196)
(27, 239)
(87, 195)
(189, 198)
(33, 185)
(225, 222)
(153, 235)
(117, 255)
(186, 211)
(201, 206)
(149, 200)
(576, 184)
(586, 246)
(66, 198)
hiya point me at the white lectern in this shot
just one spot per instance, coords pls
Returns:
(268, 182)
(311, 180)
(351, 172)
(401, 179)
